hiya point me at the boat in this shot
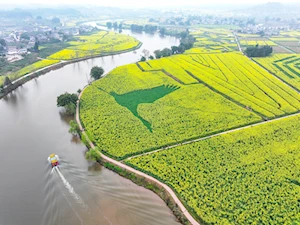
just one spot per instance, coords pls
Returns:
(53, 160)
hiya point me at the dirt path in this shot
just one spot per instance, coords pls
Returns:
(128, 168)
(211, 136)
(274, 75)
(238, 42)
(283, 47)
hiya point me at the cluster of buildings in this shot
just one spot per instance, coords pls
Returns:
(21, 41)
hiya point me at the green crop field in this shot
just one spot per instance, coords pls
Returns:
(285, 66)
(251, 176)
(144, 106)
(100, 43)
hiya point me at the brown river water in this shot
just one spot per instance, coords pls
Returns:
(32, 128)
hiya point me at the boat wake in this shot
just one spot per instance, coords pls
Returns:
(69, 187)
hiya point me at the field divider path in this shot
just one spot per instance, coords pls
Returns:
(160, 70)
(283, 47)
(275, 76)
(130, 169)
(211, 136)
(238, 42)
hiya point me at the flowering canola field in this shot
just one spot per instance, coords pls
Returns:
(144, 106)
(97, 44)
(29, 69)
(251, 176)
(285, 66)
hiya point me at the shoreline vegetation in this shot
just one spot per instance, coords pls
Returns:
(24, 79)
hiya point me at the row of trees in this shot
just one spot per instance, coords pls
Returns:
(69, 101)
(185, 44)
(259, 51)
(147, 28)
(114, 25)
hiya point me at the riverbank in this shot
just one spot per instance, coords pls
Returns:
(142, 179)
(19, 82)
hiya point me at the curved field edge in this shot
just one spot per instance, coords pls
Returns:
(122, 131)
(140, 178)
(245, 177)
(27, 77)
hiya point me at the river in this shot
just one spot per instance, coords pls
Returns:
(33, 127)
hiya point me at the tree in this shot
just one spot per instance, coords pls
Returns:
(261, 33)
(109, 25)
(146, 53)
(166, 52)
(36, 46)
(162, 31)
(157, 54)
(55, 20)
(259, 51)
(151, 57)
(7, 82)
(115, 25)
(66, 99)
(25, 36)
(175, 50)
(93, 155)
(2, 42)
(96, 72)
(70, 109)
(143, 59)
(74, 128)
(3, 62)
(136, 28)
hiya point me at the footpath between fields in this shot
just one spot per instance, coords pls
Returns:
(211, 136)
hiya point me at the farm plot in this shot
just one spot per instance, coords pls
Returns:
(96, 44)
(251, 176)
(285, 66)
(291, 45)
(242, 81)
(144, 106)
(132, 111)
(258, 42)
(213, 41)
(28, 69)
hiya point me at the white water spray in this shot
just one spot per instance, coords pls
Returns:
(70, 188)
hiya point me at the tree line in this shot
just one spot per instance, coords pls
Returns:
(186, 42)
(259, 51)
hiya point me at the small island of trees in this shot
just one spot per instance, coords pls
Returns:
(259, 51)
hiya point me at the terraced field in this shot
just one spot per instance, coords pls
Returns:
(100, 43)
(250, 176)
(285, 66)
(144, 106)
